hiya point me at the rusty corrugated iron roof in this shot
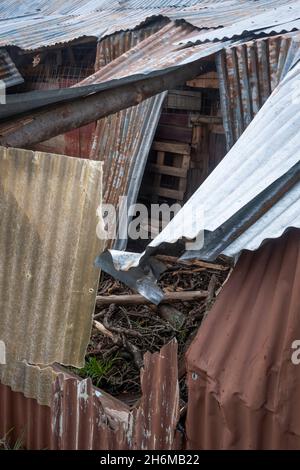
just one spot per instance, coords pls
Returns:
(48, 243)
(152, 57)
(40, 24)
(243, 387)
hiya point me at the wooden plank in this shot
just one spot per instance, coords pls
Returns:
(172, 147)
(217, 129)
(198, 120)
(206, 80)
(184, 99)
(176, 133)
(160, 158)
(169, 170)
(175, 119)
(170, 193)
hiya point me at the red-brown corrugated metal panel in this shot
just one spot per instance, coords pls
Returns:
(23, 419)
(84, 417)
(243, 387)
(155, 419)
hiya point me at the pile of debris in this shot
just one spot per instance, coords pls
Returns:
(126, 325)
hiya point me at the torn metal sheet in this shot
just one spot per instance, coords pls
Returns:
(243, 386)
(81, 416)
(48, 242)
(34, 382)
(251, 196)
(248, 74)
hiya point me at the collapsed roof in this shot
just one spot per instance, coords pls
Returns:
(250, 197)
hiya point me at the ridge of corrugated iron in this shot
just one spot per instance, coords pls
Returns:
(35, 29)
(248, 74)
(276, 17)
(48, 243)
(154, 53)
(251, 196)
(84, 417)
(9, 73)
(243, 387)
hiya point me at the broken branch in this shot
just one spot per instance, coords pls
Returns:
(135, 299)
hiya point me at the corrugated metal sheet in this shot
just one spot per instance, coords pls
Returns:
(251, 196)
(243, 387)
(13, 8)
(34, 24)
(154, 56)
(122, 141)
(8, 71)
(248, 74)
(84, 417)
(275, 16)
(33, 381)
(48, 243)
(23, 419)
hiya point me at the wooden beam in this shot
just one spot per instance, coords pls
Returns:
(172, 147)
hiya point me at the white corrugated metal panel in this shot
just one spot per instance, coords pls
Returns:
(253, 194)
(48, 243)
